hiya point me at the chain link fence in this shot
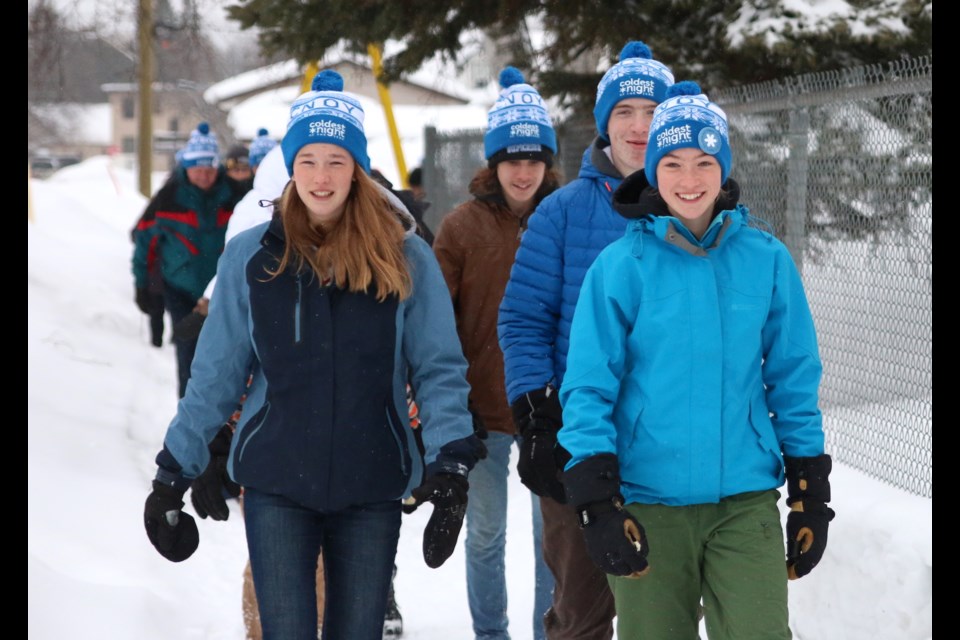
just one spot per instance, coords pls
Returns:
(840, 164)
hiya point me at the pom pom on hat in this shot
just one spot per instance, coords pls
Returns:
(687, 119)
(518, 125)
(201, 150)
(260, 146)
(683, 88)
(510, 76)
(636, 75)
(326, 114)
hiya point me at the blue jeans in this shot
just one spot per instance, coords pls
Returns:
(486, 541)
(359, 548)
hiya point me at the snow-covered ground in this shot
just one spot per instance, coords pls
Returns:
(99, 400)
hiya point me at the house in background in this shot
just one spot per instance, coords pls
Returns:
(436, 95)
(426, 88)
(177, 109)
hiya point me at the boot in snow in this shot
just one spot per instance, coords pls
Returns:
(392, 621)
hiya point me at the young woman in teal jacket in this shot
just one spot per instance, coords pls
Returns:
(691, 393)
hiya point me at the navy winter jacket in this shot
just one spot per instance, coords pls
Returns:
(325, 418)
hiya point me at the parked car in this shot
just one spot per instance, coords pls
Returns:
(45, 164)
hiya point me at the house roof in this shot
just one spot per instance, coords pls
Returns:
(434, 76)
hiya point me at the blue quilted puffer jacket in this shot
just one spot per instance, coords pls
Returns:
(563, 237)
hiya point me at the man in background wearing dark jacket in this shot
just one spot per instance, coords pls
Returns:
(181, 235)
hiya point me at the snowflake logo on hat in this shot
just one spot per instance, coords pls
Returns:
(709, 140)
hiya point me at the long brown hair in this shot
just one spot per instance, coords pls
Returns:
(364, 248)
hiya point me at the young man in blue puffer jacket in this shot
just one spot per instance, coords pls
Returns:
(564, 235)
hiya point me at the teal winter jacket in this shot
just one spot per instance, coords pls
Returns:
(182, 232)
(695, 362)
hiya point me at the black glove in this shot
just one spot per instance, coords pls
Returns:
(808, 491)
(173, 532)
(616, 542)
(538, 417)
(206, 492)
(145, 301)
(448, 493)
(189, 326)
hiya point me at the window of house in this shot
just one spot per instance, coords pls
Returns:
(174, 124)
(129, 144)
(128, 108)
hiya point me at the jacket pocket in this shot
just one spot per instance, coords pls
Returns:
(397, 429)
(251, 428)
(760, 420)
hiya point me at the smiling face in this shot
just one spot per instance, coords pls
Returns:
(323, 175)
(689, 182)
(628, 129)
(520, 180)
(202, 177)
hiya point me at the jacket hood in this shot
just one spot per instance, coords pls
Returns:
(635, 198)
(479, 190)
(406, 218)
(595, 163)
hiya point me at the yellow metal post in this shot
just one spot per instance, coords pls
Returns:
(384, 92)
(308, 73)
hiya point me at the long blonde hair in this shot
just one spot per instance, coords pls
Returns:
(364, 248)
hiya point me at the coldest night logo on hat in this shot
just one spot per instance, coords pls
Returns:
(687, 119)
(326, 114)
(201, 149)
(636, 75)
(518, 123)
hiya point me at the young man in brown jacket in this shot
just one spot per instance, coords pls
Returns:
(475, 246)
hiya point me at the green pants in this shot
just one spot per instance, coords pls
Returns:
(731, 555)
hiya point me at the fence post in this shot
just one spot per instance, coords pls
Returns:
(797, 167)
(431, 177)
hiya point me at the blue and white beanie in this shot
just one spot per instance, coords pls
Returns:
(260, 146)
(201, 149)
(687, 118)
(637, 75)
(326, 114)
(518, 125)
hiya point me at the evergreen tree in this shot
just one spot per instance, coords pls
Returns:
(716, 42)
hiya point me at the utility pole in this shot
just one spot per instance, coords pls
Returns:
(145, 121)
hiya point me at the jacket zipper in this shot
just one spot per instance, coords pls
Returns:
(296, 311)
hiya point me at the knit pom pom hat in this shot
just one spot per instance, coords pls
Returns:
(260, 146)
(687, 118)
(637, 75)
(201, 149)
(518, 126)
(329, 115)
